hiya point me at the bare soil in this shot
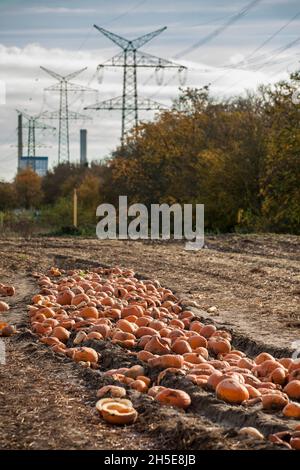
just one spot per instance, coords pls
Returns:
(47, 401)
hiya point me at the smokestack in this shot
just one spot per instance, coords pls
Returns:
(20, 140)
(83, 147)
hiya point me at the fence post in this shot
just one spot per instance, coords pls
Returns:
(75, 221)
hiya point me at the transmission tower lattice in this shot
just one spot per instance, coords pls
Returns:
(64, 114)
(32, 124)
(130, 59)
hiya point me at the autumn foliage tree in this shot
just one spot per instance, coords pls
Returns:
(280, 184)
(28, 189)
(199, 152)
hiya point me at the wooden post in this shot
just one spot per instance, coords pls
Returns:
(75, 222)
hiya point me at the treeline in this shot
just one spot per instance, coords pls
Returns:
(240, 157)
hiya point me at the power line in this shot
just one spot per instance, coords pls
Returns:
(279, 51)
(274, 35)
(219, 30)
(207, 23)
(134, 7)
(275, 54)
(232, 19)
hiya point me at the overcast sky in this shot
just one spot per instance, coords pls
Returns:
(260, 47)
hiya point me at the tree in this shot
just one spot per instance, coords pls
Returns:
(280, 186)
(202, 151)
(28, 189)
(61, 181)
(8, 198)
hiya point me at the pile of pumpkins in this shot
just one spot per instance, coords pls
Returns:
(149, 321)
(6, 329)
(5, 291)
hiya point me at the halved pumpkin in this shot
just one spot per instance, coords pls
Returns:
(117, 410)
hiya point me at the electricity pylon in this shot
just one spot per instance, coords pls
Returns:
(130, 59)
(64, 114)
(32, 124)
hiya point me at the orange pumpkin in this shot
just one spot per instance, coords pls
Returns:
(170, 360)
(292, 410)
(126, 326)
(135, 371)
(285, 361)
(143, 321)
(214, 379)
(196, 326)
(172, 397)
(153, 391)
(40, 329)
(203, 369)
(117, 410)
(177, 323)
(122, 336)
(207, 331)
(79, 298)
(245, 363)
(132, 318)
(50, 341)
(295, 365)
(181, 346)
(95, 335)
(139, 385)
(193, 358)
(7, 331)
(197, 341)
(103, 329)
(274, 401)
(165, 332)
(47, 312)
(136, 310)
(88, 312)
(262, 357)
(65, 297)
(145, 379)
(232, 391)
(253, 392)
(59, 348)
(4, 307)
(144, 340)
(266, 367)
(202, 351)
(278, 376)
(144, 356)
(295, 442)
(219, 345)
(145, 331)
(157, 345)
(186, 314)
(111, 391)
(61, 333)
(292, 389)
(200, 380)
(157, 325)
(85, 354)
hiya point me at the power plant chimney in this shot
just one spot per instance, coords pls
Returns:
(83, 147)
(20, 140)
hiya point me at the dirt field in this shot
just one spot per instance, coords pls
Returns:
(47, 402)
